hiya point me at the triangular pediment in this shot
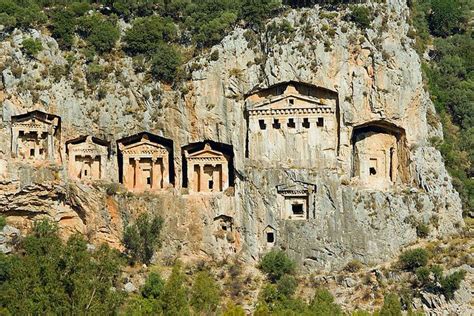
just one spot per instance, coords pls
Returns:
(144, 145)
(283, 102)
(207, 152)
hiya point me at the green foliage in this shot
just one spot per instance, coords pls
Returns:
(99, 31)
(451, 283)
(323, 304)
(142, 238)
(31, 46)
(23, 14)
(63, 26)
(55, 278)
(361, 16)
(286, 285)
(148, 34)
(450, 82)
(165, 63)
(233, 310)
(422, 230)
(255, 12)
(414, 258)
(446, 17)
(174, 300)
(3, 222)
(153, 286)
(391, 306)
(205, 294)
(95, 73)
(276, 264)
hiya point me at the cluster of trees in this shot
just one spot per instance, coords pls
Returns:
(430, 278)
(159, 29)
(445, 23)
(49, 276)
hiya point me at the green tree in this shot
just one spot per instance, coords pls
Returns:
(142, 238)
(63, 26)
(323, 304)
(153, 286)
(165, 63)
(205, 294)
(451, 283)
(174, 299)
(413, 258)
(276, 264)
(50, 277)
(391, 306)
(148, 34)
(446, 16)
(255, 12)
(99, 31)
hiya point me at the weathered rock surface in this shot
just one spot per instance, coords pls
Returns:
(376, 74)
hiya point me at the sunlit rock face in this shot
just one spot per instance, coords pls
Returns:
(340, 168)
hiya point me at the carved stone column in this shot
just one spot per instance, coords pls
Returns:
(202, 185)
(137, 183)
(225, 175)
(165, 171)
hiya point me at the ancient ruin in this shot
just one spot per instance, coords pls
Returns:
(298, 200)
(379, 155)
(292, 123)
(145, 162)
(35, 136)
(207, 169)
(87, 158)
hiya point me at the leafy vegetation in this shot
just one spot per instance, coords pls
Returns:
(414, 258)
(31, 46)
(3, 222)
(50, 277)
(276, 264)
(99, 31)
(450, 79)
(142, 238)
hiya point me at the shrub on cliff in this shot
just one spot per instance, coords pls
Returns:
(205, 294)
(361, 16)
(165, 63)
(414, 258)
(391, 306)
(276, 264)
(99, 31)
(142, 238)
(147, 34)
(31, 47)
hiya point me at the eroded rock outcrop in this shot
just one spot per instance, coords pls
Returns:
(368, 76)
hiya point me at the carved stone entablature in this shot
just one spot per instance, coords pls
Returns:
(146, 162)
(87, 158)
(298, 198)
(293, 123)
(35, 136)
(207, 170)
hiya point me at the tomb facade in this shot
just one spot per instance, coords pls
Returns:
(87, 158)
(146, 162)
(207, 170)
(293, 124)
(269, 236)
(297, 200)
(379, 158)
(35, 136)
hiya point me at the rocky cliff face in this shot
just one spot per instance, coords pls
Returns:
(377, 78)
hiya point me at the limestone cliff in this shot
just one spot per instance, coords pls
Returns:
(375, 76)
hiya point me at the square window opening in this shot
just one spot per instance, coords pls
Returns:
(306, 123)
(32, 152)
(211, 184)
(291, 101)
(148, 180)
(297, 209)
(291, 123)
(276, 124)
(270, 237)
(320, 121)
(262, 124)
